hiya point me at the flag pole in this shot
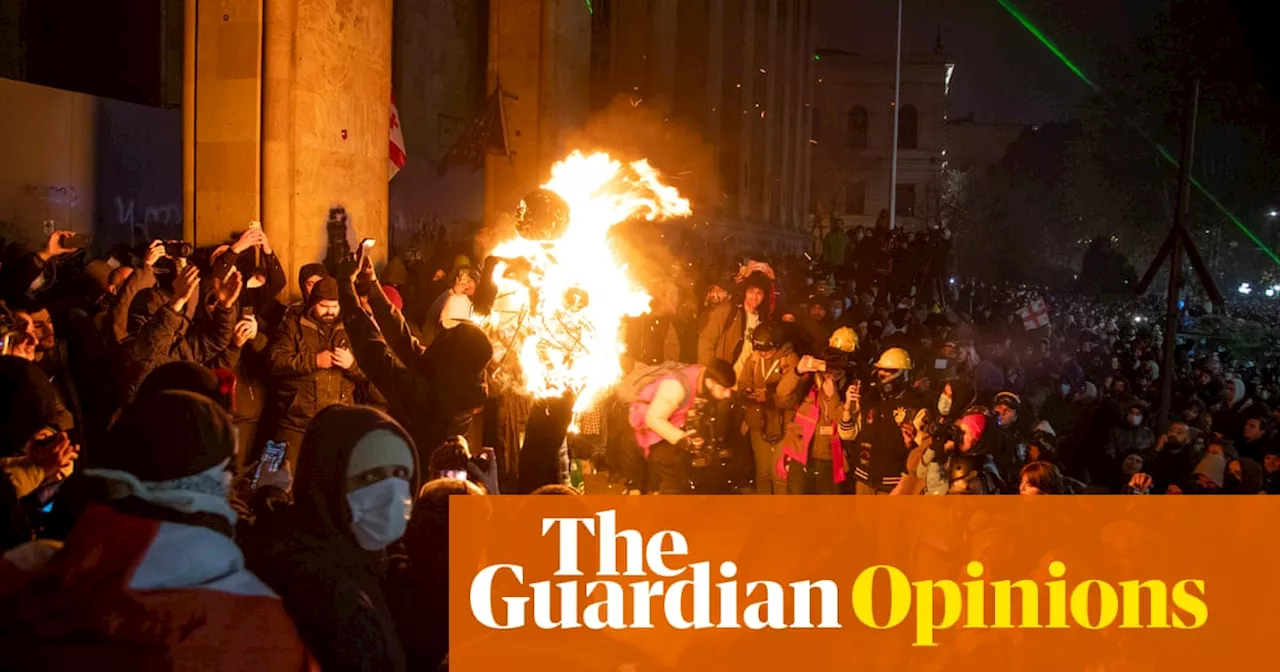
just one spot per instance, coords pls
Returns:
(897, 103)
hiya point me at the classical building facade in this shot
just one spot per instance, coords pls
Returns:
(853, 137)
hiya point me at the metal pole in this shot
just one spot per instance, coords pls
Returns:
(1175, 256)
(897, 103)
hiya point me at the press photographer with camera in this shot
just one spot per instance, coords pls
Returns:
(813, 458)
(659, 414)
(770, 387)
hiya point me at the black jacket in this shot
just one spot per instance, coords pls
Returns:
(307, 553)
(302, 389)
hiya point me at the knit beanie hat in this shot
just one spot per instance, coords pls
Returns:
(325, 290)
(187, 376)
(169, 435)
(379, 448)
(976, 423)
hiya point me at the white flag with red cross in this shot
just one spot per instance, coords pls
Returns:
(1035, 315)
(396, 155)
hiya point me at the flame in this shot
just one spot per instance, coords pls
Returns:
(561, 345)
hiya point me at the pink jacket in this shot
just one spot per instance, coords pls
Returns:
(800, 433)
(646, 437)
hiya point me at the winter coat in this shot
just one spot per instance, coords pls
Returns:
(814, 434)
(128, 592)
(781, 382)
(302, 389)
(430, 390)
(723, 334)
(309, 554)
(881, 453)
(158, 335)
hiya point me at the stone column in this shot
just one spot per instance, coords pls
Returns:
(749, 111)
(326, 120)
(286, 112)
(546, 73)
(222, 86)
(715, 71)
(769, 116)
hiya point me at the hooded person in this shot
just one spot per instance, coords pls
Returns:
(418, 586)
(352, 496)
(435, 392)
(149, 577)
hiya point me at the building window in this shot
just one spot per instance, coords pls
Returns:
(855, 198)
(858, 128)
(906, 200)
(908, 128)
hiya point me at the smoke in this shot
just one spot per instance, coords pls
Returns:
(630, 129)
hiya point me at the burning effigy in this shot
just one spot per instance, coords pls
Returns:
(556, 293)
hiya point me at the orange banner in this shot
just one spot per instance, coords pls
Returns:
(867, 583)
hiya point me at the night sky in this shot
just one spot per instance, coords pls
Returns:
(1002, 72)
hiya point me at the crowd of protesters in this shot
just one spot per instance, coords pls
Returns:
(145, 518)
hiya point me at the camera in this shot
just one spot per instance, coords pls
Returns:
(176, 249)
(944, 432)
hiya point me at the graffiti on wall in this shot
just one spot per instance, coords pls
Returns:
(60, 195)
(147, 222)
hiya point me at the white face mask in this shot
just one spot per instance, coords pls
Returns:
(1066, 389)
(1135, 420)
(380, 513)
(944, 404)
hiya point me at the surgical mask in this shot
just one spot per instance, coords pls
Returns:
(380, 513)
(944, 404)
(1135, 420)
(1066, 389)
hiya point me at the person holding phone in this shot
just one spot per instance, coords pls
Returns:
(312, 362)
(36, 272)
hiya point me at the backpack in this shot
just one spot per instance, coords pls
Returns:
(629, 389)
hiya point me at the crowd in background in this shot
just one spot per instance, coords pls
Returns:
(143, 393)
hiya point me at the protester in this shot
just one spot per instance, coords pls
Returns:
(149, 577)
(312, 361)
(352, 497)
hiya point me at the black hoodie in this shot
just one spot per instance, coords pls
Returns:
(309, 555)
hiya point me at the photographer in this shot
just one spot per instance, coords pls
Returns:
(885, 429)
(660, 411)
(770, 389)
(813, 457)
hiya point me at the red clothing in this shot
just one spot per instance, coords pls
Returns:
(806, 420)
(141, 594)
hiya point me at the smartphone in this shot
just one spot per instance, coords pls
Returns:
(246, 311)
(939, 364)
(272, 458)
(75, 242)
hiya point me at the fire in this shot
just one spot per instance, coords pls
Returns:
(562, 319)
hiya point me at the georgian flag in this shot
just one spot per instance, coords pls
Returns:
(396, 155)
(1035, 315)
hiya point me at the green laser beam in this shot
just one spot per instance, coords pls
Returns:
(1164, 153)
(1046, 41)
